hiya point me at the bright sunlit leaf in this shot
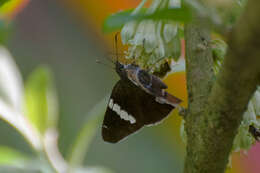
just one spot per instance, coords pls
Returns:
(80, 147)
(11, 86)
(41, 100)
(117, 20)
(11, 98)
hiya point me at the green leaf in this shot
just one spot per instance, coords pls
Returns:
(21, 124)
(219, 49)
(80, 147)
(32, 165)
(176, 47)
(15, 169)
(41, 102)
(117, 20)
(9, 156)
(11, 98)
(5, 31)
(93, 170)
(181, 32)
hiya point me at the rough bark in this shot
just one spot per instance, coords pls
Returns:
(215, 108)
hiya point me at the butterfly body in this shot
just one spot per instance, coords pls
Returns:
(138, 99)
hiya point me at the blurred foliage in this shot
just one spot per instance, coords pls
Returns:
(5, 31)
(2, 2)
(86, 134)
(9, 8)
(93, 170)
(175, 46)
(5, 26)
(41, 102)
(41, 110)
(117, 20)
(219, 49)
(11, 157)
(244, 139)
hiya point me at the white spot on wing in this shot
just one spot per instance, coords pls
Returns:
(122, 113)
(116, 108)
(160, 100)
(131, 119)
(111, 103)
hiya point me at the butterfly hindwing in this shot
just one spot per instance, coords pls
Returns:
(129, 109)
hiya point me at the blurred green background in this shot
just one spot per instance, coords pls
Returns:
(47, 32)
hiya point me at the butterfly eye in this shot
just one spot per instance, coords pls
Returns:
(119, 66)
(144, 77)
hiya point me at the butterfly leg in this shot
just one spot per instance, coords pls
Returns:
(182, 111)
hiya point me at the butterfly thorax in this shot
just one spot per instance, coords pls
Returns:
(141, 78)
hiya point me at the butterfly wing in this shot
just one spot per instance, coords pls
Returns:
(129, 109)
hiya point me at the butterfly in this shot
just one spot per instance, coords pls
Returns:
(138, 99)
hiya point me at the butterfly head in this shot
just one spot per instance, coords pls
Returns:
(121, 71)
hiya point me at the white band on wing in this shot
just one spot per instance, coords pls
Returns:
(122, 113)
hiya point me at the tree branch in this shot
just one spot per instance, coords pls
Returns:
(199, 76)
(214, 117)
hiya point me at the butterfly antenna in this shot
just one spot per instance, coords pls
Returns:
(116, 39)
(108, 58)
(107, 65)
(113, 53)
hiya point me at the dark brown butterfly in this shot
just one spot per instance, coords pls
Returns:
(138, 99)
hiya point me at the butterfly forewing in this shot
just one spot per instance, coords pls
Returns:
(129, 109)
